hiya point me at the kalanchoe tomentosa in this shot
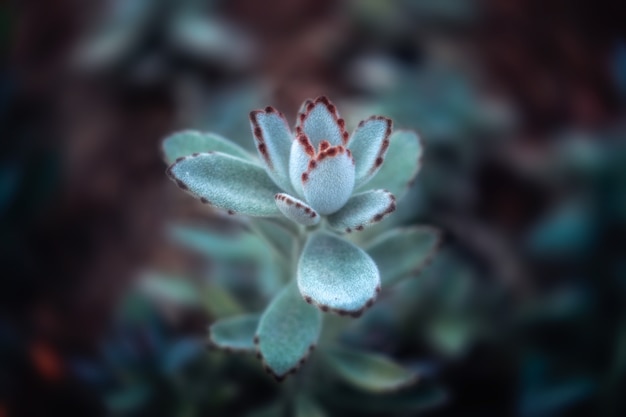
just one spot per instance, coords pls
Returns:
(316, 176)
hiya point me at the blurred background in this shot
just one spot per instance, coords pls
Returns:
(520, 105)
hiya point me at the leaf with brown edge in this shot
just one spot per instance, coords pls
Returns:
(363, 210)
(369, 144)
(302, 152)
(337, 276)
(320, 120)
(234, 334)
(226, 182)
(287, 333)
(189, 142)
(296, 210)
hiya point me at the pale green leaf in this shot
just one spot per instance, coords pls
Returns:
(296, 210)
(234, 333)
(402, 163)
(288, 331)
(368, 371)
(188, 142)
(363, 210)
(227, 182)
(329, 180)
(401, 253)
(369, 144)
(336, 275)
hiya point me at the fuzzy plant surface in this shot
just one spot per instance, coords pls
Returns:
(323, 184)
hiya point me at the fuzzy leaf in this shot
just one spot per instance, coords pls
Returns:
(363, 210)
(320, 121)
(335, 275)
(369, 144)
(370, 372)
(227, 182)
(288, 331)
(273, 139)
(188, 142)
(301, 154)
(329, 180)
(401, 253)
(403, 163)
(296, 210)
(234, 333)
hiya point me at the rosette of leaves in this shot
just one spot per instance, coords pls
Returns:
(321, 184)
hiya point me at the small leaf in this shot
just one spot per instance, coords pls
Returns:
(370, 372)
(273, 139)
(287, 332)
(296, 210)
(401, 253)
(234, 333)
(227, 182)
(320, 121)
(337, 276)
(329, 180)
(369, 144)
(403, 162)
(363, 210)
(188, 142)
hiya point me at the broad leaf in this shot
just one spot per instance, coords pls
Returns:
(296, 210)
(363, 210)
(368, 371)
(288, 331)
(329, 180)
(227, 182)
(234, 333)
(188, 142)
(402, 163)
(337, 276)
(369, 144)
(401, 253)
(273, 140)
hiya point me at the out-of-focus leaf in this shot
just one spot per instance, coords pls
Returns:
(181, 353)
(451, 335)
(401, 253)
(235, 333)
(128, 400)
(288, 330)
(305, 407)
(219, 302)
(178, 291)
(368, 371)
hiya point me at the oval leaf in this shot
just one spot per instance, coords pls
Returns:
(403, 161)
(370, 372)
(287, 332)
(319, 120)
(188, 142)
(226, 182)
(234, 333)
(401, 253)
(369, 144)
(363, 210)
(296, 210)
(337, 276)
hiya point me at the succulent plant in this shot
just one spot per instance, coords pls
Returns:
(327, 184)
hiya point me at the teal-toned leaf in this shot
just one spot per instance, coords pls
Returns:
(273, 140)
(174, 290)
(412, 400)
(320, 121)
(402, 163)
(402, 253)
(227, 182)
(188, 142)
(288, 331)
(369, 144)
(296, 210)
(302, 152)
(329, 180)
(337, 276)
(305, 407)
(234, 333)
(368, 371)
(363, 210)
